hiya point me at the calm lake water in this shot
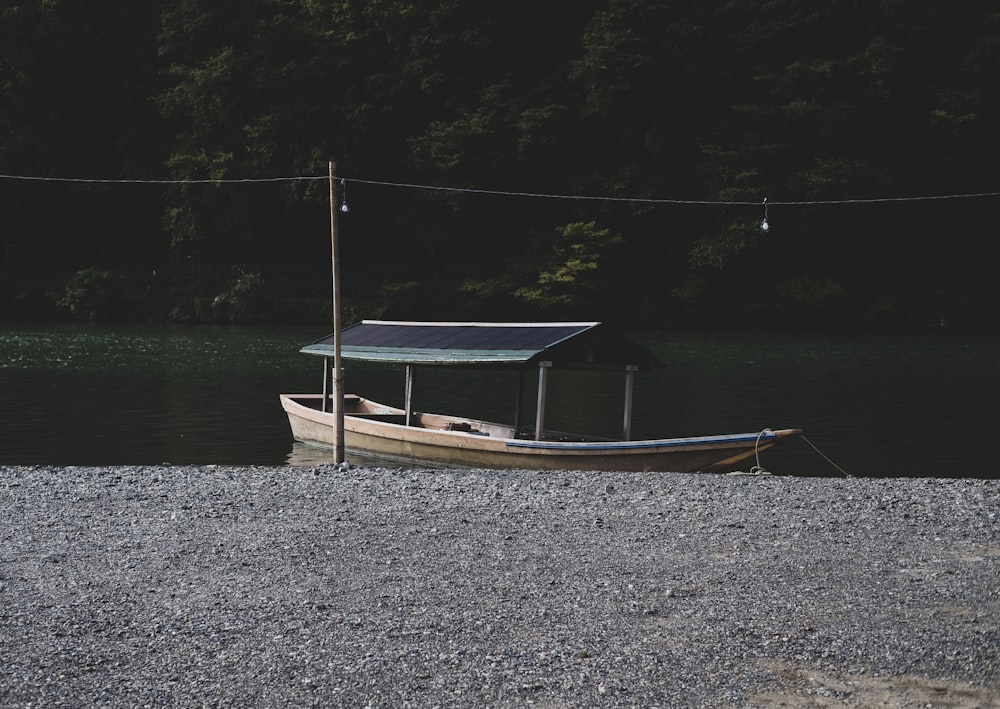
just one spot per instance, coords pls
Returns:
(149, 394)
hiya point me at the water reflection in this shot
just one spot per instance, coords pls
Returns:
(307, 456)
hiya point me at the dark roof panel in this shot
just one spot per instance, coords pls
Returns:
(575, 344)
(459, 336)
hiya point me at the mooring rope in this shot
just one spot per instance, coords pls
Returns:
(761, 470)
(757, 469)
(846, 474)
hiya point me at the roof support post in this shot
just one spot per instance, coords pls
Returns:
(630, 370)
(408, 396)
(543, 370)
(326, 384)
(517, 401)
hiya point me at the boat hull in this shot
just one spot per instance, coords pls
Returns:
(372, 429)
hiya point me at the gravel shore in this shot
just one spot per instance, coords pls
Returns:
(236, 587)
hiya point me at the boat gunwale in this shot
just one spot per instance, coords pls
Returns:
(766, 435)
(651, 443)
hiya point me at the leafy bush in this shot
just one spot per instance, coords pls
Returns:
(93, 294)
(246, 300)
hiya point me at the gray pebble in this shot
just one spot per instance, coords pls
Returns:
(347, 586)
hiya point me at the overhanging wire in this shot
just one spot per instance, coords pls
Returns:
(499, 193)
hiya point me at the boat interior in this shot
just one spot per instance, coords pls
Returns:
(358, 407)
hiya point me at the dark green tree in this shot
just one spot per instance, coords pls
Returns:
(684, 115)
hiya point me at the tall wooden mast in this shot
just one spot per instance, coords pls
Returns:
(338, 370)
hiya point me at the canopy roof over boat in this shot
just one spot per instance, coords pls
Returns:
(581, 345)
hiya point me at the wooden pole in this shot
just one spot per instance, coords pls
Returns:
(337, 404)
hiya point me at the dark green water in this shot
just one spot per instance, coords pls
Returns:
(100, 394)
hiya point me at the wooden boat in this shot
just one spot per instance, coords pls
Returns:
(402, 434)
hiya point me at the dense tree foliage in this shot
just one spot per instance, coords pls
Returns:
(681, 116)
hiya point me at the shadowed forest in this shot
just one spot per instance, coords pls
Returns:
(577, 159)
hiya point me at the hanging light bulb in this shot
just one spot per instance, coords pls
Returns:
(343, 205)
(764, 226)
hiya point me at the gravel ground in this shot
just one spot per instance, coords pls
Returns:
(235, 587)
